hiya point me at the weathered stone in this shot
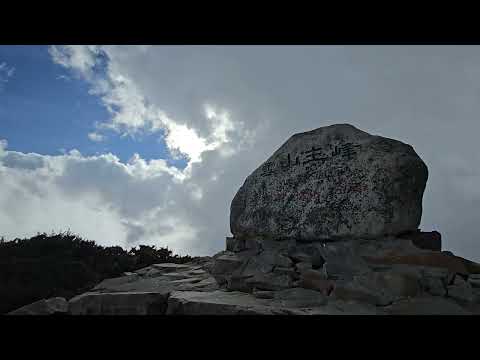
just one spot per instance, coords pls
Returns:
(149, 284)
(235, 244)
(431, 279)
(224, 265)
(263, 294)
(208, 284)
(425, 240)
(333, 182)
(197, 272)
(386, 246)
(301, 257)
(340, 307)
(474, 276)
(161, 269)
(278, 245)
(311, 253)
(253, 243)
(269, 281)
(121, 303)
(412, 271)
(286, 302)
(303, 266)
(116, 282)
(313, 274)
(344, 269)
(238, 283)
(175, 275)
(254, 266)
(437, 272)
(459, 281)
(246, 254)
(341, 262)
(258, 272)
(148, 271)
(201, 260)
(426, 306)
(217, 303)
(394, 285)
(377, 288)
(473, 308)
(472, 267)
(285, 271)
(461, 290)
(208, 265)
(474, 283)
(299, 297)
(359, 292)
(461, 293)
(274, 258)
(57, 305)
(190, 280)
(426, 258)
(433, 286)
(316, 280)
(171, 267)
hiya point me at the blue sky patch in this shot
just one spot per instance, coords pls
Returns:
(46, 109)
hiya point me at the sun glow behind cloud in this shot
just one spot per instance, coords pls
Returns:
(130, 110)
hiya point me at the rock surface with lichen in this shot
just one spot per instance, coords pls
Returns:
(334, 182)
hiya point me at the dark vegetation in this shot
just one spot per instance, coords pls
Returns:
(65, 265)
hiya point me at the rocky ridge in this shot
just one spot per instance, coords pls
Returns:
(388, 277)
(324, 258)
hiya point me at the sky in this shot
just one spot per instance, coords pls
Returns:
(129, 145)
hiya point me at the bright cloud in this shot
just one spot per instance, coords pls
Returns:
(131, 110)
(6, 72)
(96, 137)
(81, 59)
(114, 198)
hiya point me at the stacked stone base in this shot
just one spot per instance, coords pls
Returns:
(401, 275)
(388, 275)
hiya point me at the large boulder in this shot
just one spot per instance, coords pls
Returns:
(334, 182)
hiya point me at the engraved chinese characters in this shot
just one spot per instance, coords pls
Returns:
(332, 182)
(308, 157)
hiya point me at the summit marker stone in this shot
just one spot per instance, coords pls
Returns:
(334, 182)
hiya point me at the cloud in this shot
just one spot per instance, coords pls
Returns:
(132, 112)
(227, 109)
(63, 77)
(96, 137)
(80, 59)
(98, 197)
(17, 160)
(6, 72)
(3, 147)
